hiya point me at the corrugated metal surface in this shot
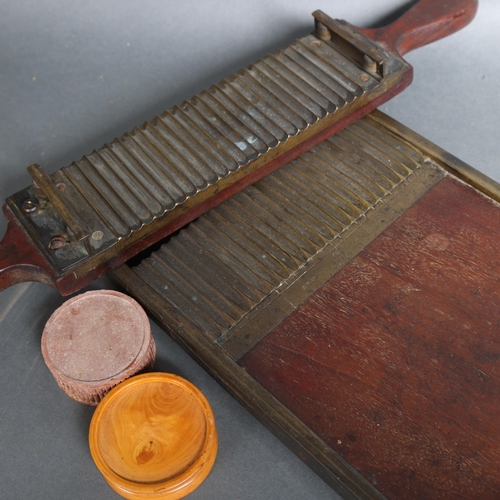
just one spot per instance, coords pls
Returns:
(221, 266)
(158, 166)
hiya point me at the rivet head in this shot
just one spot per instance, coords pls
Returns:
(323, 32)
(57, 242)
(30, 205)
(364, 78)
(97, 235)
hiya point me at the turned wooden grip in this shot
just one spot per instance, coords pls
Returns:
(425, 22)
(20, 259)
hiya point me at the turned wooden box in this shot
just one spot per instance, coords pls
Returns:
(350, 302)
(154, 437)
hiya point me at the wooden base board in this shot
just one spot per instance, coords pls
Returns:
(375, 358)
(394, 362)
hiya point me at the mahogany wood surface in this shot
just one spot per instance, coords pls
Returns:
(424, 23)
(394, 362)
(20, 258)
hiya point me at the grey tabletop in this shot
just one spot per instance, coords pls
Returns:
(73, 76)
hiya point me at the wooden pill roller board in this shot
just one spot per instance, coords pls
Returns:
(73, 226)
(350, 301)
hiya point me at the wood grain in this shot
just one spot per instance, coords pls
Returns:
(154, 436)
(20, 258)
(394, 362)
(426, 22)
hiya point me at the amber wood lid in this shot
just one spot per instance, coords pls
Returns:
(154, 436)
(95, 341)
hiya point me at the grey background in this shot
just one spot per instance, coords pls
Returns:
(74, 75)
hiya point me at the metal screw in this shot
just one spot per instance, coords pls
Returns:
(97, 235)
(364, 78)
(323, 32)
(30, 205)
(316, 43)
(57, 242)
(369, 65)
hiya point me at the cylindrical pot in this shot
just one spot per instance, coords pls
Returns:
(96, 340)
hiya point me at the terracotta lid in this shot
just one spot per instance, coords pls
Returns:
(95, 341)
(154, 436)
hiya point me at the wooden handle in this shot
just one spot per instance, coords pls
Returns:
(20, 259)
(425, 22)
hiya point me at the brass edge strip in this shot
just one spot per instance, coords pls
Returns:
(446, 160)
(245, 334)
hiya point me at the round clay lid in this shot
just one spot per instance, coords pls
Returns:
(154, 436)
(95, 337)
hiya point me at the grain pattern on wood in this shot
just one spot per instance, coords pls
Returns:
(426, 22)
(395, 361)
(154, 436)
(20, 258)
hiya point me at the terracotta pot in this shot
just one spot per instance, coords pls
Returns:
(95, 341)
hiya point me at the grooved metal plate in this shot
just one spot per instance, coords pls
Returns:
(224, 264)
(230, 286)
(195, 150)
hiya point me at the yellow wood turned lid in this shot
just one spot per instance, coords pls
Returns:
(154, 436)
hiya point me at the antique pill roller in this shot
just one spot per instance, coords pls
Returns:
(73, 226)
(350, 301)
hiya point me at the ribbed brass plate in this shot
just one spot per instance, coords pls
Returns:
(148, 177)
(321, 209)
